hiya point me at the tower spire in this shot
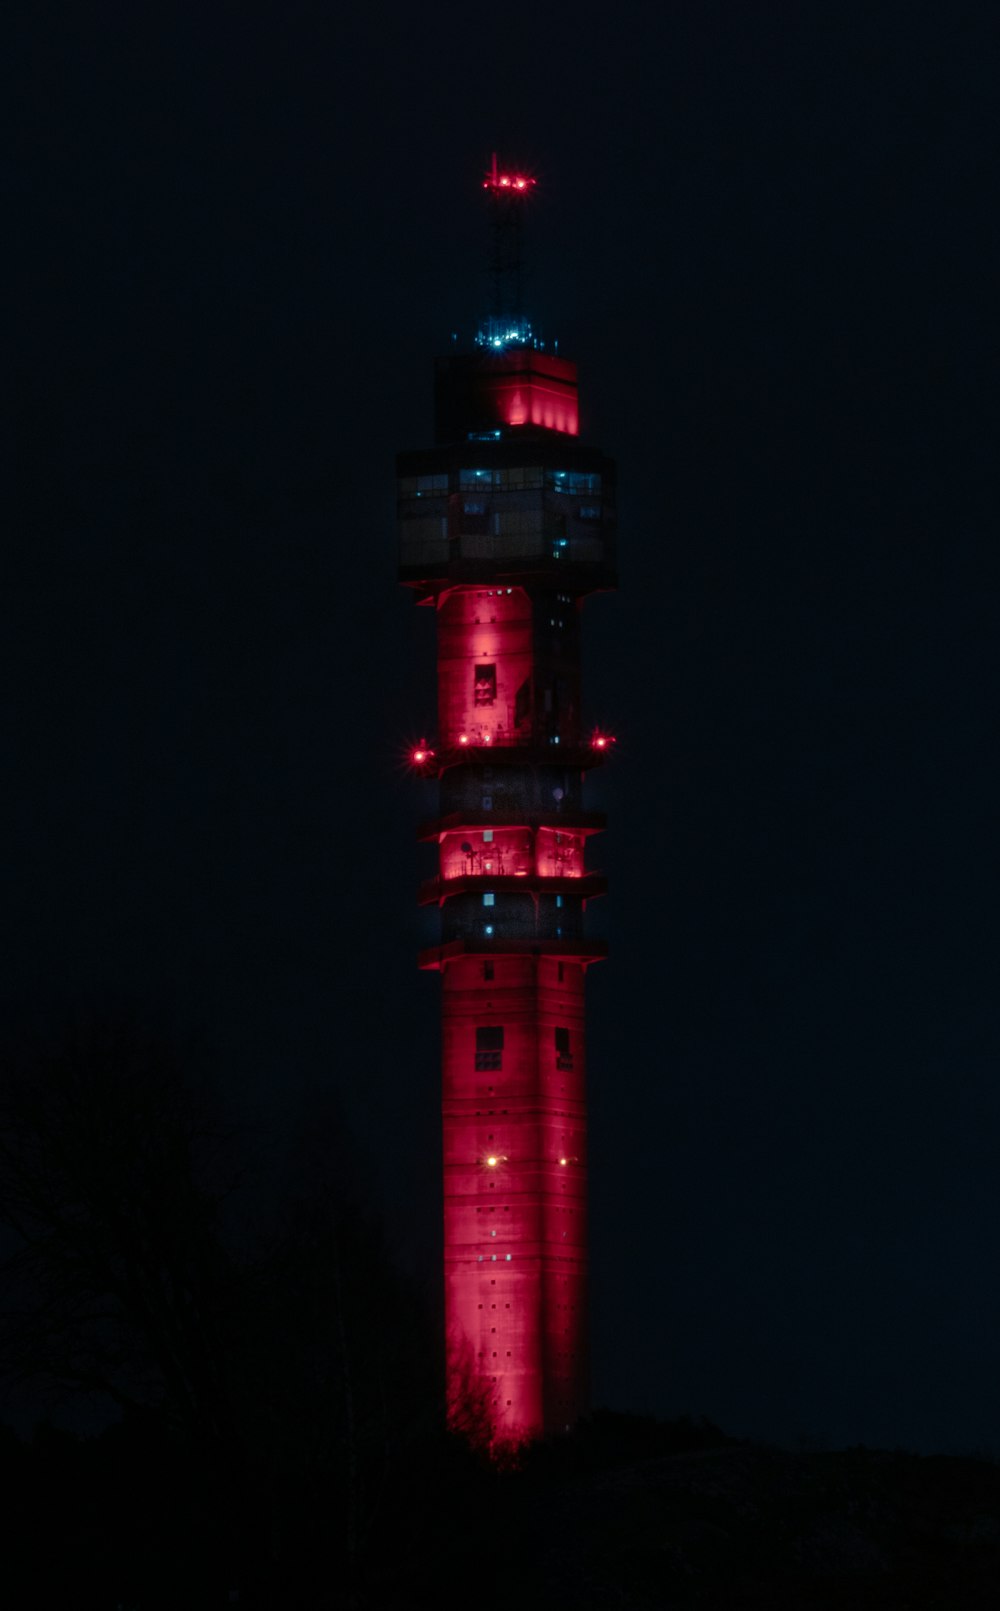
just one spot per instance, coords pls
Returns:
(507, 191)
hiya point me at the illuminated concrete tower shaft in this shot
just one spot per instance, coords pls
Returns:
(506, 526)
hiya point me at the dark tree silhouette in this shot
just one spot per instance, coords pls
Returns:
(116, 1282)
(298, 1376)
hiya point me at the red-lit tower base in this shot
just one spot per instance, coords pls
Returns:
(506, 526)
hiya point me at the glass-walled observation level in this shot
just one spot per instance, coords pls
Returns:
(484, 785)
(512, 870)
(521, 509)
(496, 918)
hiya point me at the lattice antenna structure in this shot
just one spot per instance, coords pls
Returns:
(507, 191)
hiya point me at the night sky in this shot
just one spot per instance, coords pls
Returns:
(236, 239)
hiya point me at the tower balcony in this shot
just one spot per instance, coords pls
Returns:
(586, 887)
(473, 822)
(510, 749)
(428, 557)
(437, 957)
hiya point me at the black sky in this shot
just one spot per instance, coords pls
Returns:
(768, 234)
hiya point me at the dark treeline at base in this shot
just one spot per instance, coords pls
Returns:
(134, 1518)
(274, 1436)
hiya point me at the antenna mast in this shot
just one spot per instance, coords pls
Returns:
(507, 191)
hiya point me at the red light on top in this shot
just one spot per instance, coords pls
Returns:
(495, 180)
(602, 741)
(508, 181)
(421, 755)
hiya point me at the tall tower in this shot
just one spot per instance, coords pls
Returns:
(506, 526)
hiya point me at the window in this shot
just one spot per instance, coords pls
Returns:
(487, 836)
(485, 685)
(487, 970)
(489, 1046)
(564, 1056)
(517, 478)
(574, 481)
(421, 486)
(489, 899)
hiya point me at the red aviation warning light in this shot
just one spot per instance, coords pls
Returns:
(602, 741)
(507, 182)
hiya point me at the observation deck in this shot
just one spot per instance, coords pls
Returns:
(524, 508)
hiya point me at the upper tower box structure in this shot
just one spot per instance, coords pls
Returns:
(510, 488)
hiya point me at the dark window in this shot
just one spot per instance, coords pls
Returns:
(485, 685)
(564, 1057)
(487, 970)
(489, 1046)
